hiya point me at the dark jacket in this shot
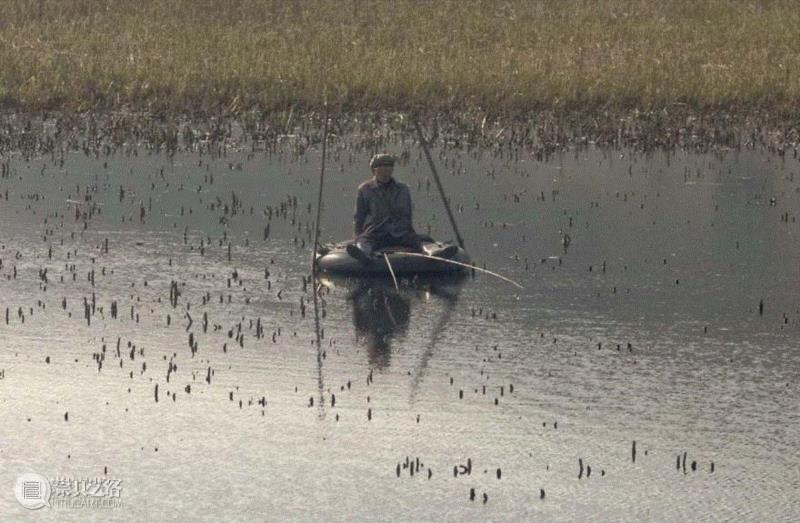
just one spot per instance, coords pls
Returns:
(383, 209)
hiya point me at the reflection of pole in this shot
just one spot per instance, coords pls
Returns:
(438, 184)
(319, 347)
(437, 331)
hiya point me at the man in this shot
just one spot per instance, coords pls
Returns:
(383, 216)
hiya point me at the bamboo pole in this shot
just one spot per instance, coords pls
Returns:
(319, 195)
(424, 145)
(391, 270)
(315, 289)
(463, 265)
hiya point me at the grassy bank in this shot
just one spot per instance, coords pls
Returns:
(209, 55)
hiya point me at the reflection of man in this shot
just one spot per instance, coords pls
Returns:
(383, 215)
(379, 314)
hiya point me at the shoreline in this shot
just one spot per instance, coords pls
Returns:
(539, 132)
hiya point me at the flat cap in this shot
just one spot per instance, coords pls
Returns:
(382, 159)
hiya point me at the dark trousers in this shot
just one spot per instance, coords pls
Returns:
(370, 241)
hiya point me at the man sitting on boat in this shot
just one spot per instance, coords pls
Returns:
(383, 216)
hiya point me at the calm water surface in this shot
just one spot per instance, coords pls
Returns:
(670, 318)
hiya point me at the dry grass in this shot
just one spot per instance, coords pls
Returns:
(202, 56)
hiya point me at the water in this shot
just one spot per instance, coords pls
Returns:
(645, 327)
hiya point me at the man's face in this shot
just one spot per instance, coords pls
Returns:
(383, 173)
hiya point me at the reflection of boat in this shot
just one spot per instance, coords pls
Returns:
(381, 312)
(334, 259)
(437, 284)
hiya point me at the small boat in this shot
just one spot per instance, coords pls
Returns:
(440, 284)
(335, 260)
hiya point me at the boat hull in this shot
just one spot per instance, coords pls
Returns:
(337, 261)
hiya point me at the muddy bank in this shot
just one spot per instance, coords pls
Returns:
(537, 133)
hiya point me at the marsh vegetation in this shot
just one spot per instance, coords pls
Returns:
(212, 56)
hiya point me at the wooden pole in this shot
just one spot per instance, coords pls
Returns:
(424, 145)
(319, 195)
(391, 270)
(314, 288)
(445, 260)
